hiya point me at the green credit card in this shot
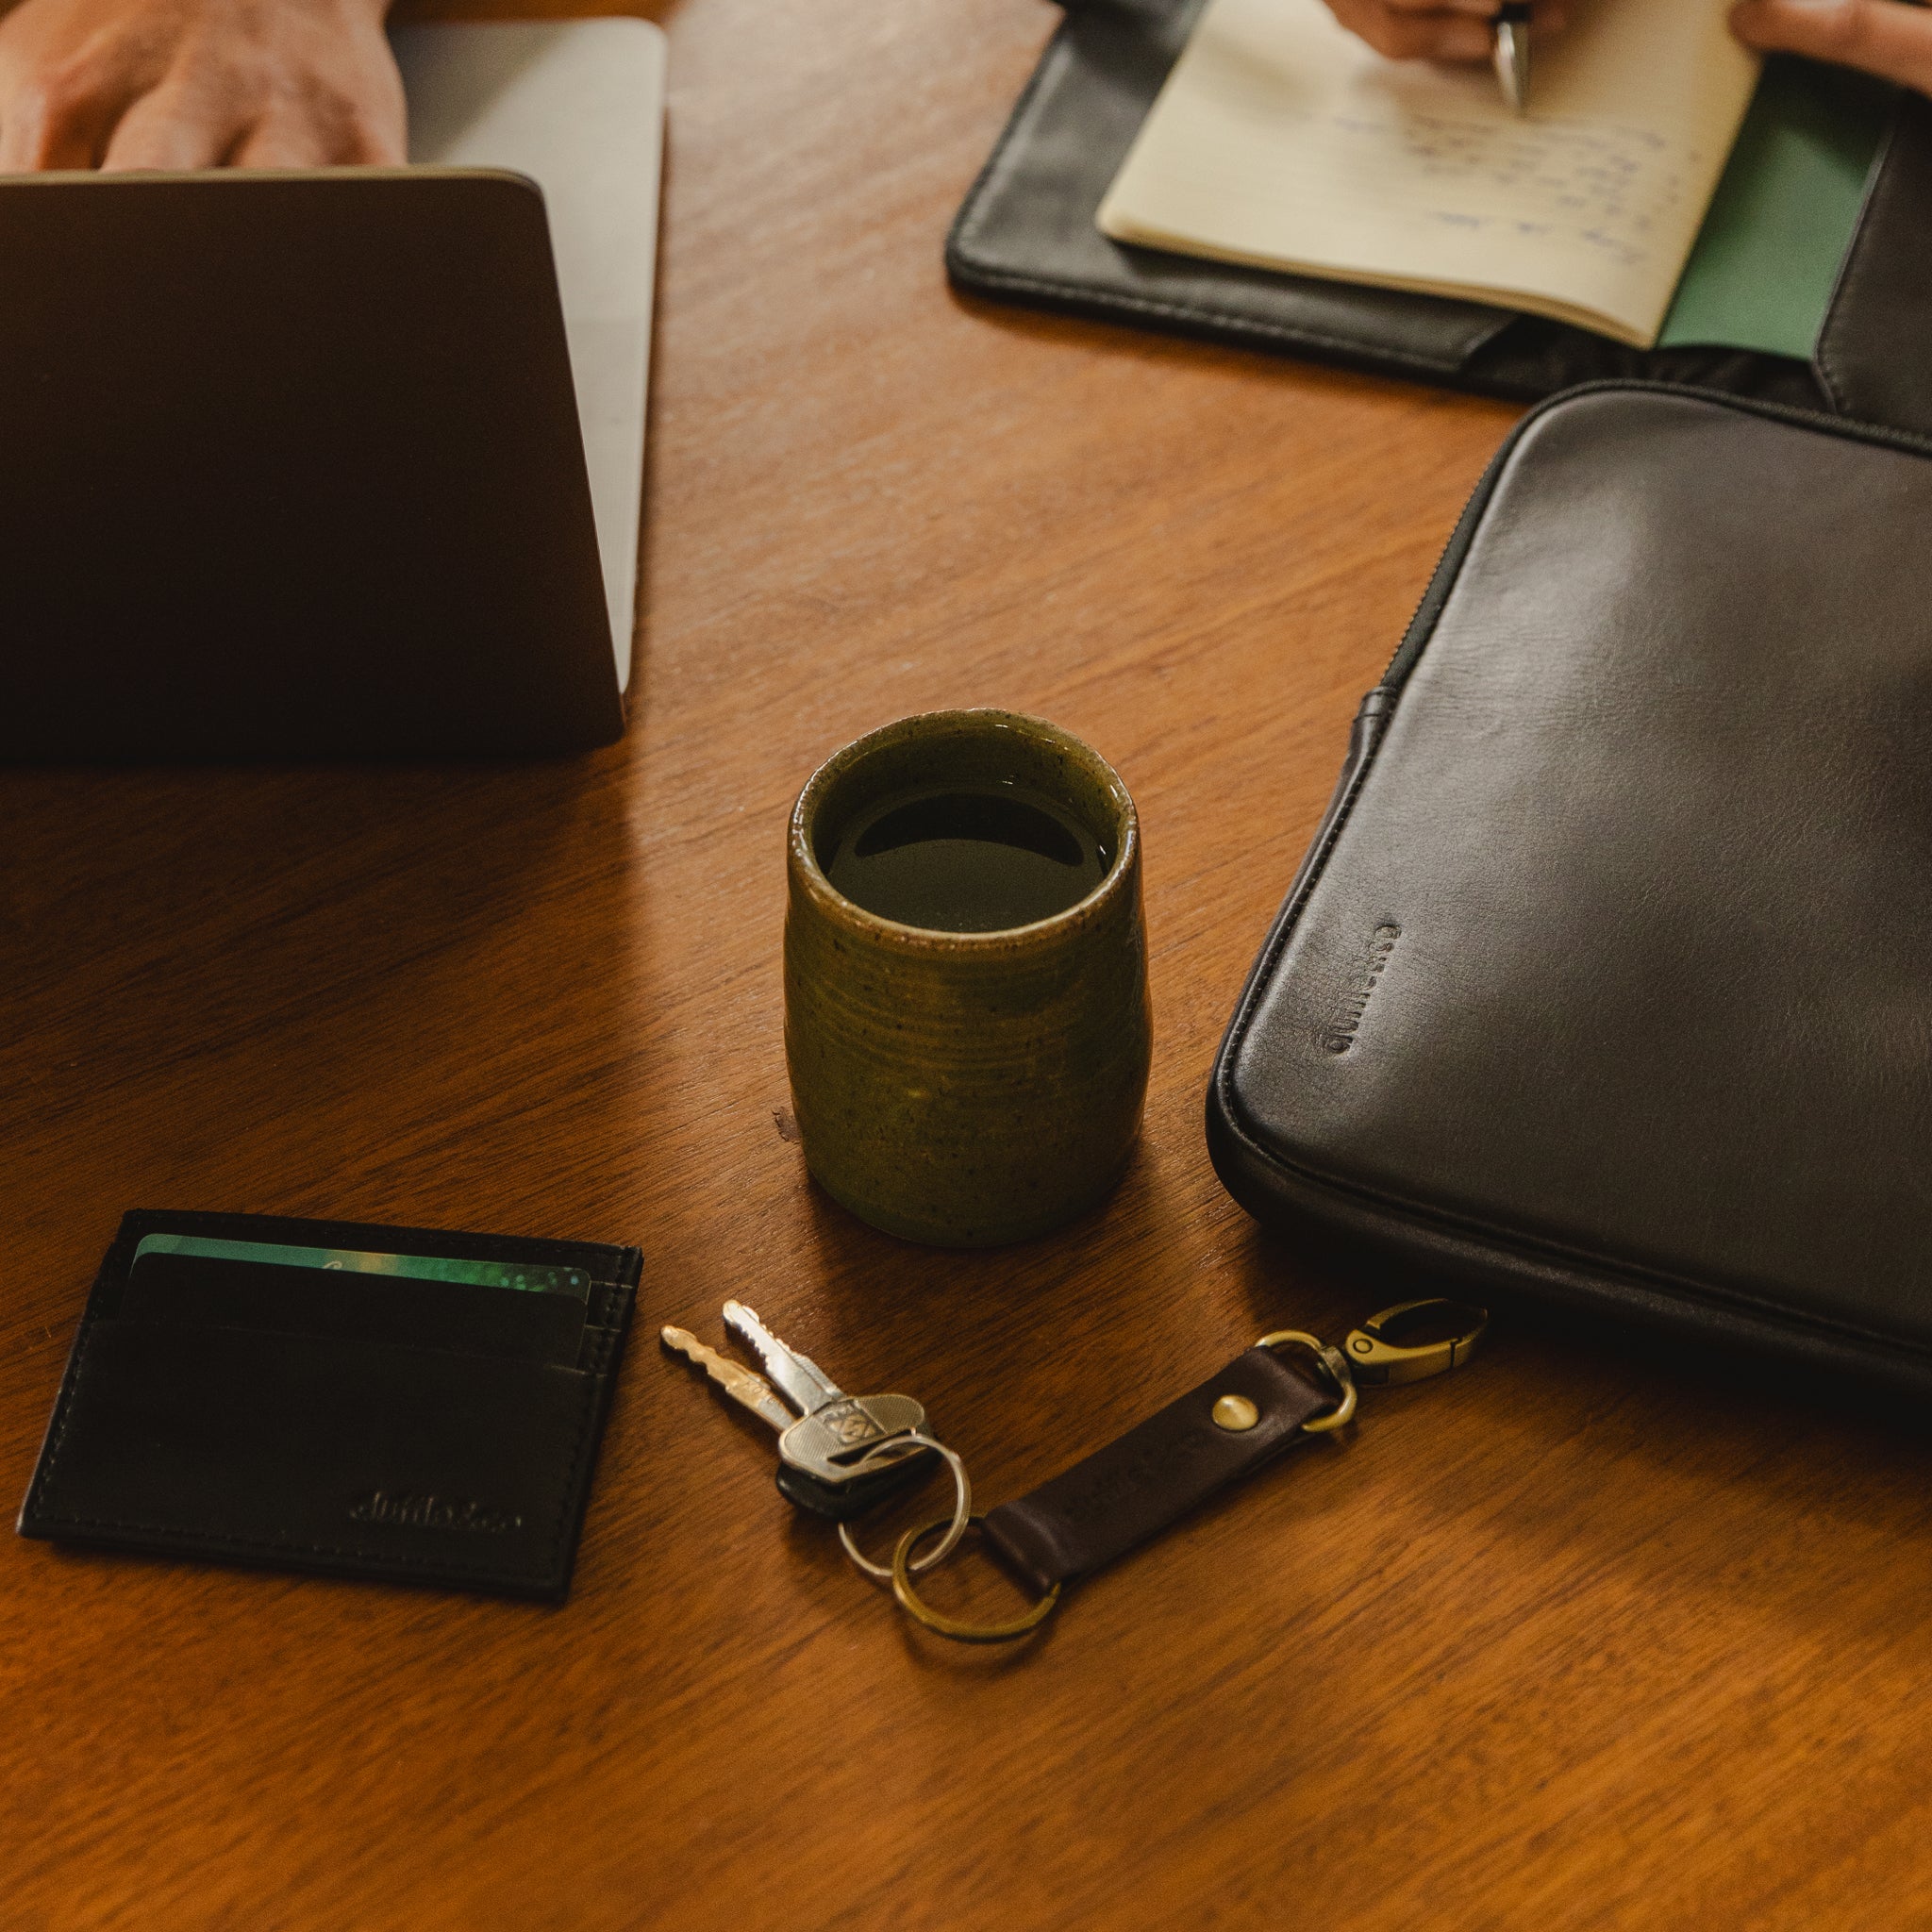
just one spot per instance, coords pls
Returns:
(533, 1278)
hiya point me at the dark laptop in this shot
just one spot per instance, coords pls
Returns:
(296, 464)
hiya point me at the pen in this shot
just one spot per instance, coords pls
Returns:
(1512, 54)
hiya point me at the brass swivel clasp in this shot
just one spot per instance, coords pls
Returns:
(1406, 1344)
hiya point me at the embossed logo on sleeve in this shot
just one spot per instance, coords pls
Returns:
(1345, 1021)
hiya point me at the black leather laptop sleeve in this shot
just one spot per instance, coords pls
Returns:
(375, 1424)
(1605, 977)
(1025, 234)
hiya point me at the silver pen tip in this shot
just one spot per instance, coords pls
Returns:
(1512, 61)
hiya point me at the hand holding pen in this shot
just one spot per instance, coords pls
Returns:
(1459, 31)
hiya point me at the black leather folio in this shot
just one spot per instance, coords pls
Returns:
(1025, 234)
(1605, 978)
(357, 1425)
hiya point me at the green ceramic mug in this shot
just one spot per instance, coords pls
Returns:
(966, 1087)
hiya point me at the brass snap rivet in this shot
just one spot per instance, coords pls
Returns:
(1235, 1412)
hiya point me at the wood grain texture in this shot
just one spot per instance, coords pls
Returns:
(1582, 1637)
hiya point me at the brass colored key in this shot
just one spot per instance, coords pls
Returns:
(741, 1384)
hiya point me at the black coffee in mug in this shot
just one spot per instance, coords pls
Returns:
(965, 857)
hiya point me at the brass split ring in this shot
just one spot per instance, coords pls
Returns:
(960, 1632)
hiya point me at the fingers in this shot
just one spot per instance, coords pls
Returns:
(1460, 31)
(41, 127)
(356, 121)
(1416, 32)
(198, 127)
(184, 84)
(180, 124)
(60, 115)
(291, 140)
(345, 109)
(1883, 36)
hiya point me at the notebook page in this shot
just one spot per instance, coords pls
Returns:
(1282, 140)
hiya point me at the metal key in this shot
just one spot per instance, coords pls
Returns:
(820, 1448)
(753, 1392)
(834, 1430)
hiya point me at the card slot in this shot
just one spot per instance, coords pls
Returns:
(321, 1452)
(525, 1275)
(602, 1263)
(199, 1292)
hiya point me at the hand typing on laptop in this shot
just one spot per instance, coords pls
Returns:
(197, 84)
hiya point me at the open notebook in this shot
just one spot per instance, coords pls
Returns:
(1283, 141)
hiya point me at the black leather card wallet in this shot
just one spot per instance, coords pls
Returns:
(398, 1403)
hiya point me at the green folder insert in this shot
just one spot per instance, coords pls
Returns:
(1767, 259)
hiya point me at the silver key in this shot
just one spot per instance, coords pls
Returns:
(806, 1385)
(834, 1431)
(837, 1437)
(830, 1442)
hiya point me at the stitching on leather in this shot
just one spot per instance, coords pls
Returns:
(1906, 441)
(1285, 919)
(1852, 271)
(56, 1429)
(188, 1541)
(970, 209)
(579, 1448)
(1829, 368)
(1109, 301)
(1600, 1266)
(435, 1566)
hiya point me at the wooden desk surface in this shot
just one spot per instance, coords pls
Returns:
(1578, 1638)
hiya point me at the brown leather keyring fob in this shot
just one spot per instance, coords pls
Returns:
(1288, 1386)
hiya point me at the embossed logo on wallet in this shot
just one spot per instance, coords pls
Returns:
(408, 1512)
(1345, 1022)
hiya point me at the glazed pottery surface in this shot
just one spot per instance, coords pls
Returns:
(966, 1089)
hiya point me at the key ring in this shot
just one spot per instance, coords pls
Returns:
(920, 1611)
(962, 1507)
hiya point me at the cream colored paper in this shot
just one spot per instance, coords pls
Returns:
(1282, 140)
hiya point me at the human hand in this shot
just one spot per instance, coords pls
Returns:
(197, 84)
(1435, 29)
(1883, 36)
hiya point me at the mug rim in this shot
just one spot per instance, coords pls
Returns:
(805, 863)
